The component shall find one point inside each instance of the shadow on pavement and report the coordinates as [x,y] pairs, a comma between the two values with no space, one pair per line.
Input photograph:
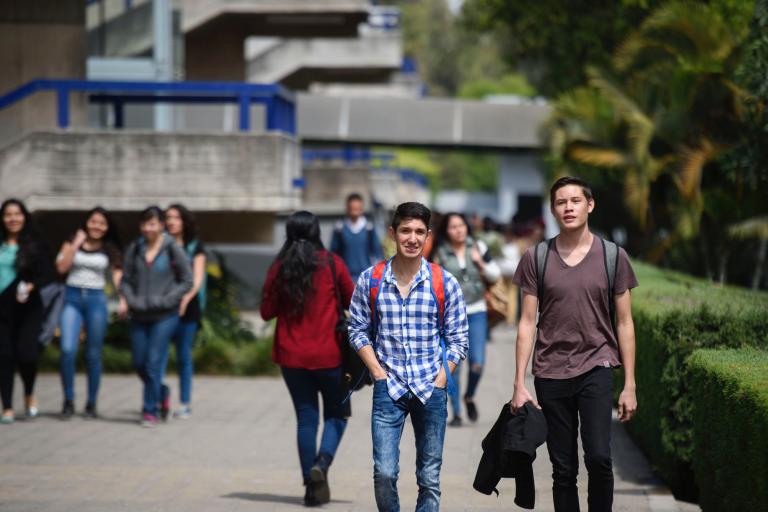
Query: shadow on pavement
[628,461]
[271,498]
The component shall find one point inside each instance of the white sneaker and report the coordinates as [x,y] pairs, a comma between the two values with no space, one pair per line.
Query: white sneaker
[183,412]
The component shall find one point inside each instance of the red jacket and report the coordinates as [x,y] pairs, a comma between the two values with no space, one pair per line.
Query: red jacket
[308,341]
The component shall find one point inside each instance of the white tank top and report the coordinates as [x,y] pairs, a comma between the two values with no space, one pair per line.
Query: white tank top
[89,270]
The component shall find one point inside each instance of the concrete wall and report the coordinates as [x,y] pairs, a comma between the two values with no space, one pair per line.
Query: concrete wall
[419,121]
[40,39]
[129,170]
[371,55]
[326,187]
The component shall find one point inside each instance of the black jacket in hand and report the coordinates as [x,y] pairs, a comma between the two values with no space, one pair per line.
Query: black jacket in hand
[509,450]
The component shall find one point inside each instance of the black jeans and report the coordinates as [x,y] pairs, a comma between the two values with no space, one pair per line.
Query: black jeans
[589,398]
[19,346]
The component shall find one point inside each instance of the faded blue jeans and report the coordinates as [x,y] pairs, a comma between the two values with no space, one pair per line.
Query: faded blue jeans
[387,428]
[89,307]
[478,335]
[183,338]
[149,347]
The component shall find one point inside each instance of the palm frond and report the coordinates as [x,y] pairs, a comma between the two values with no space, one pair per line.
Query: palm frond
[598,156]
[756,227]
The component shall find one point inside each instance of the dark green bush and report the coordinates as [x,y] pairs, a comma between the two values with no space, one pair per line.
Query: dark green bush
[729,390]
[674,315]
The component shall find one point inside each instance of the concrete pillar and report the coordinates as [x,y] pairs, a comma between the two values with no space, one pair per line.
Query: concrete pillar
[40,39]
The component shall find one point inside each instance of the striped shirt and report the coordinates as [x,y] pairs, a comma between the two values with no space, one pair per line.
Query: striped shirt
[407,343]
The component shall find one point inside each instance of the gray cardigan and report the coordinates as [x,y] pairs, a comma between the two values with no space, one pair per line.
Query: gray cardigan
[154,291]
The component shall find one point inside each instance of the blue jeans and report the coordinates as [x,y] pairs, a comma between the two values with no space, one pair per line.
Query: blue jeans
[149,347]
[478,333]
[89,307]
[183,338]
[304,385]
[387,428]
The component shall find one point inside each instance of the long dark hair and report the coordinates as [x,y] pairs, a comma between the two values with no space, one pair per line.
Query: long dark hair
[189,226]
[298,260]
[111,239]
[27,239]
[442,232]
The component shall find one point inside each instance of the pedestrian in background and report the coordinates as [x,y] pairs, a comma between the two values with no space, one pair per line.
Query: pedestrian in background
[300,292]
[25,267]
[470,261]
[181,225]
[88,259]
[156,276]
[355,239]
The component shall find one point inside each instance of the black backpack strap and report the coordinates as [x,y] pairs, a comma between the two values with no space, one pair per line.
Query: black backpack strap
[611,260]
[541,257]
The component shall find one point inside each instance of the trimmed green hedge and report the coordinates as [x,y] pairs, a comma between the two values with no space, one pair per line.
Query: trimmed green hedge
[730,435]
[674,315]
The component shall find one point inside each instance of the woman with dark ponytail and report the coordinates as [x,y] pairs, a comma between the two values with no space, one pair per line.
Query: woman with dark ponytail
[25,267]
[300,291]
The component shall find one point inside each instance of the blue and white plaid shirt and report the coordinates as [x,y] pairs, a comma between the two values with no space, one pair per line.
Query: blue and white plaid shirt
[407,343]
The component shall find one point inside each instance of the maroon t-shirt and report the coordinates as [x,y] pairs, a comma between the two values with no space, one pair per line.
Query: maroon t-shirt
[574,332]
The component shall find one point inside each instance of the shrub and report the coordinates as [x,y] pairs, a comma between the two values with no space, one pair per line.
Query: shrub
[674,315]
[729,390]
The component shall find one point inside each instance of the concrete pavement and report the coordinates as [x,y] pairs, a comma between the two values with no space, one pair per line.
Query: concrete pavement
[238,453]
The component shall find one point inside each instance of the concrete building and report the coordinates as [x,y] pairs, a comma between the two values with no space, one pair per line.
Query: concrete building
[359,94]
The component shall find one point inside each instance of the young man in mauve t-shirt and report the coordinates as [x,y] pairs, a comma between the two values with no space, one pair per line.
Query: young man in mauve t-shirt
[576,347]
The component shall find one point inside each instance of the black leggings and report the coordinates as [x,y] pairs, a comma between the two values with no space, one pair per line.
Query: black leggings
[19,346]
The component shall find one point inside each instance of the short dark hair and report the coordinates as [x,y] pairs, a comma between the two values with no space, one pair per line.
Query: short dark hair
[152,212]
[410,210]
[354,196]
[569,180]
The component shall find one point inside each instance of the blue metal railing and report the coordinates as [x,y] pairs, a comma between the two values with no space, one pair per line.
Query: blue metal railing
[384,17]
[347,154]
[279,102]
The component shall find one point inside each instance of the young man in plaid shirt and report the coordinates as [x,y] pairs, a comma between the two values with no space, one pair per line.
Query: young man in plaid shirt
[401,347]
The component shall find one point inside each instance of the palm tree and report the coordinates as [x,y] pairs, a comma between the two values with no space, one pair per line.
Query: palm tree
[668,108]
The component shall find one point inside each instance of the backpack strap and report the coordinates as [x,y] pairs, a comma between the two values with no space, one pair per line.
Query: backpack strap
[611,260]
[541,257]
[437,286]
[374,283]
[438,292]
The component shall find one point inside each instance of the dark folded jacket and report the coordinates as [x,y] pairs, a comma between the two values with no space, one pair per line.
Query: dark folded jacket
[509,450]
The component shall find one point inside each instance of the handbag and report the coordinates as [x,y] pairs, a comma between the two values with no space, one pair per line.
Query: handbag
[355,374]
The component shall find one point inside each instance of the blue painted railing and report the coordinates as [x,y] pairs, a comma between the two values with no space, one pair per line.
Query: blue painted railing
[279,102]
[347,154]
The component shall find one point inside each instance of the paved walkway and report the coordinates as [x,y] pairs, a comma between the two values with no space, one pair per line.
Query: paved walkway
[237,453]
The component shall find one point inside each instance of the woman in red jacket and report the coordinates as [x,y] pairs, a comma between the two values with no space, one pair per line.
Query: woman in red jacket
[300,292]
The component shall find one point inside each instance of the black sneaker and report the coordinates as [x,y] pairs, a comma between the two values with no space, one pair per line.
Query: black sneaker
[455,422]
[90,411]
[471,409]
[67,410]
[318,476]
[310,500]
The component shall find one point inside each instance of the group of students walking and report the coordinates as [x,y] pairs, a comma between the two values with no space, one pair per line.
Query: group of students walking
[412,322]
[160,281]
